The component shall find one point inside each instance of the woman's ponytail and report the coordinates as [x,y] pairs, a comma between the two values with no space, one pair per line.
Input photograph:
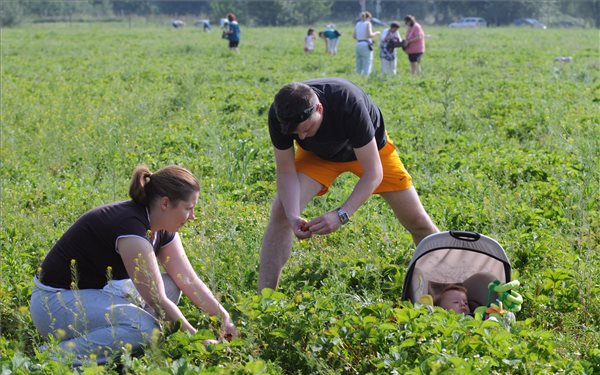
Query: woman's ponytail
[174,182]
[137,189]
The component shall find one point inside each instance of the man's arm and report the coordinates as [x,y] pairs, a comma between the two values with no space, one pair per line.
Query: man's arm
[368,157]
[288,190]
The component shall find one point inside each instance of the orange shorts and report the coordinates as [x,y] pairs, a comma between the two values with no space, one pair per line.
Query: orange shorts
[395,176]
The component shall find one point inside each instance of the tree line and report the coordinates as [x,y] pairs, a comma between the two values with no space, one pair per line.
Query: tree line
[305,12]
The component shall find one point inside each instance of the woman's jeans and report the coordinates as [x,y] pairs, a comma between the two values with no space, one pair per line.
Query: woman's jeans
[364,58]
[95,322]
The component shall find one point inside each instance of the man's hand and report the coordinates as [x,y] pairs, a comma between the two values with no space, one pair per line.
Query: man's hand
[325,224]
[300,228]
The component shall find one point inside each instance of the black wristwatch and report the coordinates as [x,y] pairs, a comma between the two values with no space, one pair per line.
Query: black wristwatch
[343,215]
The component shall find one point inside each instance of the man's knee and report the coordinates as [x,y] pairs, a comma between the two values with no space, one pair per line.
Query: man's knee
[277,207]
[278,216]
[421,227]
[421,221]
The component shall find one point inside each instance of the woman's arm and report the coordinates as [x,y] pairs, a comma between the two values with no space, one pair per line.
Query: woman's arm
[142,267]
[176,263]
[370,32]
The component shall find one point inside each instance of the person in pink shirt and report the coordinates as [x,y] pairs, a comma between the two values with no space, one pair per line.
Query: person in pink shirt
[415,43]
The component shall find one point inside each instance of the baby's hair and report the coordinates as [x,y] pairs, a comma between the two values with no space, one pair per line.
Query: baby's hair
[310,31]
[450,287]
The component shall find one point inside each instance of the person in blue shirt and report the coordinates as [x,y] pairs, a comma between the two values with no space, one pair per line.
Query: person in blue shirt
[233,33]
[332,38]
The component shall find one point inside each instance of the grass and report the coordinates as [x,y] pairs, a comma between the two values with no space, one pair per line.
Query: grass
[498,137]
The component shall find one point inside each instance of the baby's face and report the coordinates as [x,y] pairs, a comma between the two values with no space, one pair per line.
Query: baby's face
[455,300]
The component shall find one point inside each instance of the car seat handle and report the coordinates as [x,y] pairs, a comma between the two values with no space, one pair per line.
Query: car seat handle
[465,236]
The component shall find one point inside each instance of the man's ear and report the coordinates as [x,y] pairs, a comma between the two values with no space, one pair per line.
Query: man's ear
[320,107]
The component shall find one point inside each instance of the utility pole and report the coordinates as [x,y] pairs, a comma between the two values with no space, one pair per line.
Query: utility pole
[363,5]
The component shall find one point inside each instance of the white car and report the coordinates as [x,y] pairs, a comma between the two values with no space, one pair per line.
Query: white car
[469,22]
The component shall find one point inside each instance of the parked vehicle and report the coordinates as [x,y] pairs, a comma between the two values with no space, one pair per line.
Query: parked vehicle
[529,22]
[469,22]
[570,24]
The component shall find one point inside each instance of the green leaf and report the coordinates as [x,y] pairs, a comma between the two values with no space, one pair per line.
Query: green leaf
[407,343]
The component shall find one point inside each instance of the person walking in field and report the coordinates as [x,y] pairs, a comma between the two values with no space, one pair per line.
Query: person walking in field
[414,44]
[100,288]
[233,32]
[363,33]
[336,128]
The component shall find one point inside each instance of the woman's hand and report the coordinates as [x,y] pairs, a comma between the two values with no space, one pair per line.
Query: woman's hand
[229,330]
[186,326]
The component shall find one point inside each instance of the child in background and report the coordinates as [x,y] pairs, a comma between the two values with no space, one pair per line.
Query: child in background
[453,297]
[309,41]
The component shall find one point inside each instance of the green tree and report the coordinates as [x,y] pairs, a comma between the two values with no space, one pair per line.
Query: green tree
[275,12]
[130,7]
[239,7]
[10,13]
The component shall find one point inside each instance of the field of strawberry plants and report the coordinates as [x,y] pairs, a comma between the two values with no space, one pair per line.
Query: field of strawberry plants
[499,137]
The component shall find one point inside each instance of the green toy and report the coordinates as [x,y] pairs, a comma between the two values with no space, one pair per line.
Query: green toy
[503,309]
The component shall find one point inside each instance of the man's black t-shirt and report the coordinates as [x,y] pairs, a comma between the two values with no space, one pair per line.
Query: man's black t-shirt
[87,252]
[350,120]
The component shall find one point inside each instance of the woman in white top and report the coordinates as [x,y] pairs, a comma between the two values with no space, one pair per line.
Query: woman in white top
[363,33]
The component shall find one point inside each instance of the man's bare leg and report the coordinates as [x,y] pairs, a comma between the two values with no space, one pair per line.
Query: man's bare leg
[410,212]
[277,242]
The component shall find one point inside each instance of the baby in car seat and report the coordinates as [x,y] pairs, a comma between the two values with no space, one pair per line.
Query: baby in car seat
[453,297]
